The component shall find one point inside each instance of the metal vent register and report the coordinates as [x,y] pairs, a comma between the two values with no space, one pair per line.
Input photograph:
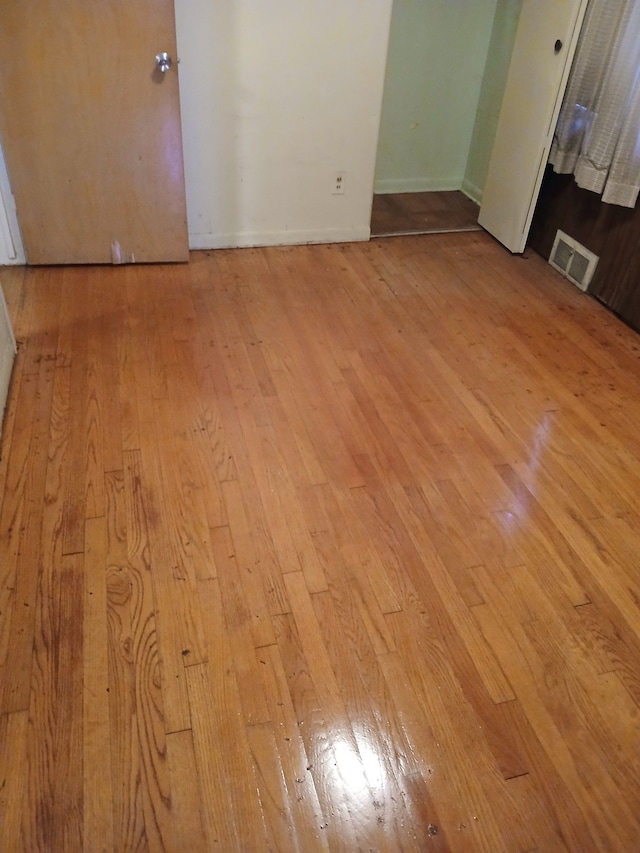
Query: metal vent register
[574,261]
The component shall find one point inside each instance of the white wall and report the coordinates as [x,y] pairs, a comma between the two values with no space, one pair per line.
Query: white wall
[437,56]
[505,25]
[276,97]
[11,251]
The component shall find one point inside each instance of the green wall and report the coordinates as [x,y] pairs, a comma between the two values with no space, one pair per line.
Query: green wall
[445,75]
[493,84]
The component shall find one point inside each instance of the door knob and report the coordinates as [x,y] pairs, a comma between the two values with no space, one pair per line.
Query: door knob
[557,46]
[163,61]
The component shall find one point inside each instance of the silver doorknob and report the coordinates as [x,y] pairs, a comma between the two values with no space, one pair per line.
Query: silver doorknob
[163,61]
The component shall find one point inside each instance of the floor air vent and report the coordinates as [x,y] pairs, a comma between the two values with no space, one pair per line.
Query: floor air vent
[573,260]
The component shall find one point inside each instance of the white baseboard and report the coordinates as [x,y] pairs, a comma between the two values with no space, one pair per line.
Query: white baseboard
[7,354]
[417,185]
[6,365]
[472,191]
[278,238]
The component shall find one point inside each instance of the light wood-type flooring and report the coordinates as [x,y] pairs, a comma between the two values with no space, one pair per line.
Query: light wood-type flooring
[320,548]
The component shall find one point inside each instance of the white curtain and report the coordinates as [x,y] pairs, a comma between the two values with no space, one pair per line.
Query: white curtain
[598,132]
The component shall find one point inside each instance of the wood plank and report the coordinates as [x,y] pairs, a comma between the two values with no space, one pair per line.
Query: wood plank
[367,698]
[440,742]
[24,540]
[233,816]
[154,549]
[96,730]
[306,814]
[360,572]
[320,734]
[14,771]
[187,804]
[141,790]
[81,472]
[274,793]
[55,780]
[242,624]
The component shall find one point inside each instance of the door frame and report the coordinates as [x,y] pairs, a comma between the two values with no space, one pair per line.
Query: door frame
[11,248]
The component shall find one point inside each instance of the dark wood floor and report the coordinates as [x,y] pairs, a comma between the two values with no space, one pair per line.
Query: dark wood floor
[423,213]
[320,548]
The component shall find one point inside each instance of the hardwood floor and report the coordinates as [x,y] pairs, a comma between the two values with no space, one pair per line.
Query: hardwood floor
[320,548]
[423,213]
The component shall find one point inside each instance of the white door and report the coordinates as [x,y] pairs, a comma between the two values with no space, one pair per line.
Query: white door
[542,54]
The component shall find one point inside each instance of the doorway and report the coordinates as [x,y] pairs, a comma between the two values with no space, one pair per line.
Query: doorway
[446,71]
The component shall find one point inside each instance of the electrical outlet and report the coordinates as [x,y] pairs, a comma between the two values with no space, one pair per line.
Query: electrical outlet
[339,180]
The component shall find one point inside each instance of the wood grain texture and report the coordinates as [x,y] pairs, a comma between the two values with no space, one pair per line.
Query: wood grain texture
[91,131]
[320,548]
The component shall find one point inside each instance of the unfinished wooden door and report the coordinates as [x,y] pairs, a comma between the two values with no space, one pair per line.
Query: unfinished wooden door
[543,51]
[90,127]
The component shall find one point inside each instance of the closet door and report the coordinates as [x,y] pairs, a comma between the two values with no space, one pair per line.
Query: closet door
[543,51]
